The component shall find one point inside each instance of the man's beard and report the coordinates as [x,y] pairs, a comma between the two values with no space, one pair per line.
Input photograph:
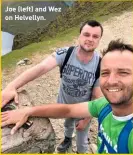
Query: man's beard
[124,100]
[127,98]
[87,50]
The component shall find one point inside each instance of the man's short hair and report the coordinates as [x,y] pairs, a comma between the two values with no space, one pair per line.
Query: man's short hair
[117,45]
[92,23]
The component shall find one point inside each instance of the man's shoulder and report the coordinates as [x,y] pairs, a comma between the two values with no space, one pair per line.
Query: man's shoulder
[97,54]
[97,105]
[61,50]
[60,54]
[101,101]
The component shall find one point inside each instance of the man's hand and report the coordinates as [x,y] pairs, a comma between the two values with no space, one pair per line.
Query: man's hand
[82,124]
[17,117]
[9,94]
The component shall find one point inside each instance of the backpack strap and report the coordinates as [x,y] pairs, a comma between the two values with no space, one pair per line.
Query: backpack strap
[124,134]
[97,73]
[105,143]
[69,52]
[123,137]
[104,112]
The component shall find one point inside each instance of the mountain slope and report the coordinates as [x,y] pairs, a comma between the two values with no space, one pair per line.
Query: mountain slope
[71,17]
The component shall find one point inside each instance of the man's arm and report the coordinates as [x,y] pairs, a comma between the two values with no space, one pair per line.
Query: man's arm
[10,91]
[20,116]
[61,110]
[34,72]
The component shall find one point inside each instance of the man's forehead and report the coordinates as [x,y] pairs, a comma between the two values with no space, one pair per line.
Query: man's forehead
[117,59]
[118,53]
[90,28]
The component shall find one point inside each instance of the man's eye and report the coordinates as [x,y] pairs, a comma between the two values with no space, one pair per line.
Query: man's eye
[86,35]
[123,73]
[104,73]
[95,37]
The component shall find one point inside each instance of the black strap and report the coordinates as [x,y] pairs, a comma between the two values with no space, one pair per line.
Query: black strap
[97,73]
[66,59]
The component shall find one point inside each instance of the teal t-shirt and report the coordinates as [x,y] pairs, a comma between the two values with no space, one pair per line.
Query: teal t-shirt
[111,126]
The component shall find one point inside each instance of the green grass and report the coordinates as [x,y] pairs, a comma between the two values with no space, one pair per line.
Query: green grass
[45,46]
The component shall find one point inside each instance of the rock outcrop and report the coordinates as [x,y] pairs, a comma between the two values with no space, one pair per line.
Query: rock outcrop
[39,137]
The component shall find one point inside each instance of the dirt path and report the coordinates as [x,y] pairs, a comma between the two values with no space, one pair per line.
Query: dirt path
[45,89]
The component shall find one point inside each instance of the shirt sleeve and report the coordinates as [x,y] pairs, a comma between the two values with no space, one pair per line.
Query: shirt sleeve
[60,55]
[96,106]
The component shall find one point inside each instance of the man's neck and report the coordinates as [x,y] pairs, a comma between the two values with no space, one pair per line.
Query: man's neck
[84,56]
[122,110]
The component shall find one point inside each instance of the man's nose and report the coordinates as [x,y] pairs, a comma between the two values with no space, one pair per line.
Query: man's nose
[113,79]
[90,38]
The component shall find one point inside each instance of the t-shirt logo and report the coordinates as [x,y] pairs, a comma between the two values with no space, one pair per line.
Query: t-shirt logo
[76,81]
